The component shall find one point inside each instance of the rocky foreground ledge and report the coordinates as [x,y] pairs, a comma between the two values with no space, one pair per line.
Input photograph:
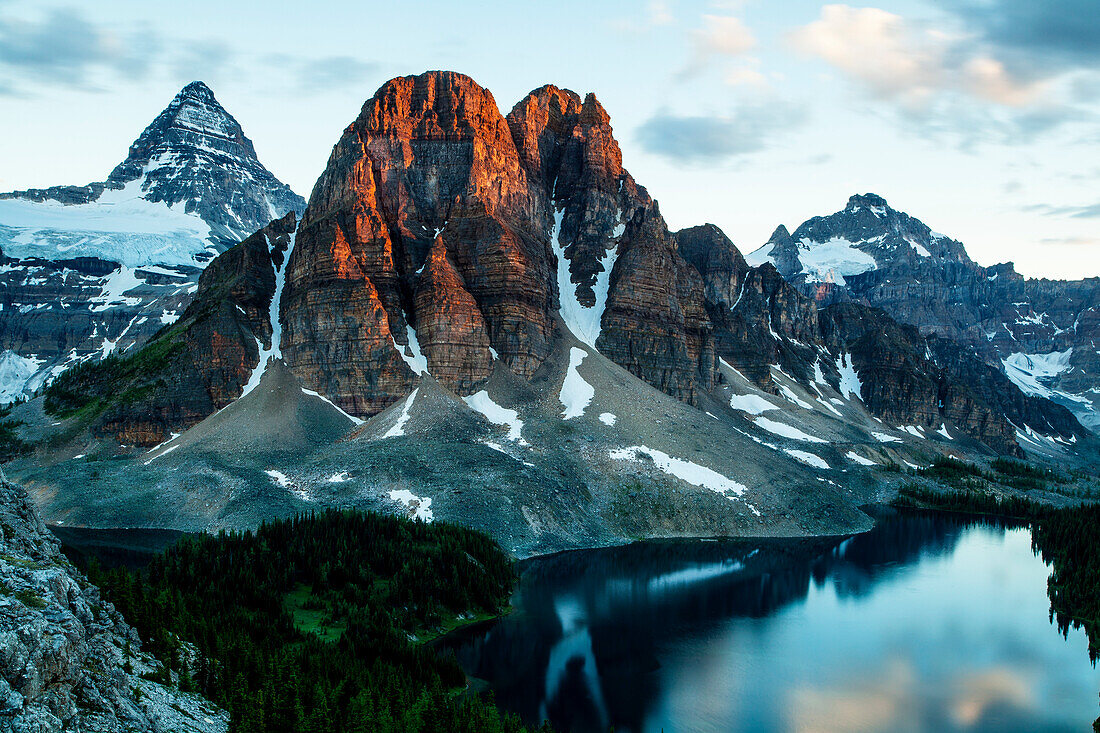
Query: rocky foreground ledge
[64,650]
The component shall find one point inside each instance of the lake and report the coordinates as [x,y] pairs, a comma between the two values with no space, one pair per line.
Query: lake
[930,622]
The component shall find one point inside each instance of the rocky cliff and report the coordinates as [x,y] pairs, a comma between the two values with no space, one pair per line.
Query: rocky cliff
[89,271]
[68,661]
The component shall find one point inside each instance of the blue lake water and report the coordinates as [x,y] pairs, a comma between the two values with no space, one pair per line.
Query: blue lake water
[928,623]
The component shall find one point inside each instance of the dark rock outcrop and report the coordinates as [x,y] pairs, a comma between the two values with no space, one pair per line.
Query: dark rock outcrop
[194,367]
[927,280]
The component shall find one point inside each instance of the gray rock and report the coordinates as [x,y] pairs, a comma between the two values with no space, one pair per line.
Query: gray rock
[63,648]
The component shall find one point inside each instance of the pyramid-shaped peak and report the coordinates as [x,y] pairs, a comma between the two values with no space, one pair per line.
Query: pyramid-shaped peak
[197,90]
[780,234]
[866,200]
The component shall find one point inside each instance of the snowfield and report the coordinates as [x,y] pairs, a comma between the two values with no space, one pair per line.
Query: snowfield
[120,226]
[750,403]
[421,506]
[786,431]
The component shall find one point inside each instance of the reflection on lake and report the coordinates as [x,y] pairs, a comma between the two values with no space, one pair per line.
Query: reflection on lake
[927,623]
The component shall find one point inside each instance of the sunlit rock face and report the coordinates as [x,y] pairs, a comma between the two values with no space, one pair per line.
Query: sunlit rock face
[436,213]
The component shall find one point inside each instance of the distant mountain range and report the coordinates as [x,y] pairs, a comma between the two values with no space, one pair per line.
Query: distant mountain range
[485,318]
[90,270]
[1044,334]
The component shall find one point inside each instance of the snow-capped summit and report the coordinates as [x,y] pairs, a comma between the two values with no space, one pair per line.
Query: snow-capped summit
[195,154]
[190,187]
[90,271]
[865,235]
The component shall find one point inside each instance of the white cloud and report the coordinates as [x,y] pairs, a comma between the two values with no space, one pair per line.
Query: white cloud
[723,34]
[905,61]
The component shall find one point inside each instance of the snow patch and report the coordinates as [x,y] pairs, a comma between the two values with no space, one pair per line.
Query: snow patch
[607,418]
[494,413]
[943,431]
[421,506]
[849,379]
[583,321]
[318,395]
[751,403]
[398,428]
[1025,371]
[885,438]
[15,372]
[692,473]
[274,351]
[339,478]
[833,260]
[785,431]
[857,458]
[576,394]
[810,459]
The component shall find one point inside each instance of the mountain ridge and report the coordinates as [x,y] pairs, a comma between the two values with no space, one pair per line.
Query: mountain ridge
[89,271]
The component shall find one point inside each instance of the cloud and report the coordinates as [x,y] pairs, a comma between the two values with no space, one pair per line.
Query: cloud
[894,58]
[720,37]
[64,47]
[940,84]
[714,139]
[724,34]
[1056,34]
[1071,241]
[1088,211]
[201,59]
[333,72]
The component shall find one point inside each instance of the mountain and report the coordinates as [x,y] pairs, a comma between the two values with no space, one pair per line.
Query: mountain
[87,271]
[70,661]
[484,318]
[1043,334]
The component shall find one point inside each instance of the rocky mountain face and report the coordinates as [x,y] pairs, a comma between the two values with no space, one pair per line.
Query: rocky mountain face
[88,271]
[195,367]
[1043,334]
[446,239]
[68,661]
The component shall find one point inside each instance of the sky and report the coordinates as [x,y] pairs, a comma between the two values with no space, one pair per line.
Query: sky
[979,117]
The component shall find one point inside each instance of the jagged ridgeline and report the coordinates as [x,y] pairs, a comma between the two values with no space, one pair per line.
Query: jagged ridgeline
[482,317]
[443,236]
[1043,334]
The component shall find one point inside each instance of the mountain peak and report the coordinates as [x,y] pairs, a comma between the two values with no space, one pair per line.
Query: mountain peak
[196,154]
[868,200]
[197,90]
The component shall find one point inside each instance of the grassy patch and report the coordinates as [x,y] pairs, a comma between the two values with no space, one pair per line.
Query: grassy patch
[311,615]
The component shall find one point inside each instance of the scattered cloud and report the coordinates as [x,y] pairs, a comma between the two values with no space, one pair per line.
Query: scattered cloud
[897,59]
[659,13]
[719,38]
[332,72]
[715,139]
[64,47]
[953,84]
[201,59]
[1072,241]
[1088,211]
[1053,34]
